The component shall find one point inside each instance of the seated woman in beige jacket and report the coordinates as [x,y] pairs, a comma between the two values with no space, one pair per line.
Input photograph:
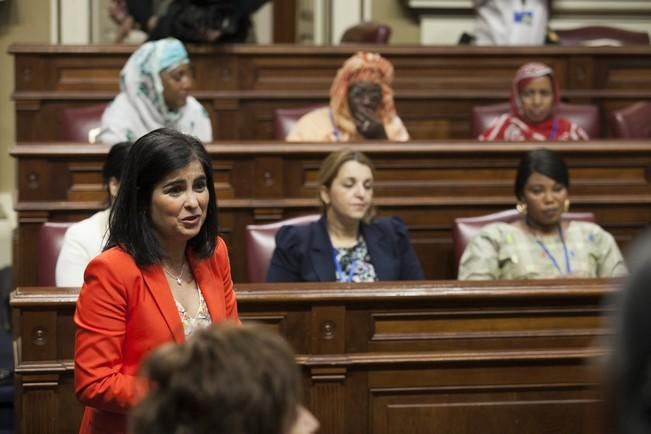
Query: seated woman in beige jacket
[361,106]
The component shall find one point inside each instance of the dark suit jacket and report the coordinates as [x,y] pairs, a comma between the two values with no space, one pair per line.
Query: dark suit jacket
[304,253]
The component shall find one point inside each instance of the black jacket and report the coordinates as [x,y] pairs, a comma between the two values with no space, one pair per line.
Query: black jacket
[304,253]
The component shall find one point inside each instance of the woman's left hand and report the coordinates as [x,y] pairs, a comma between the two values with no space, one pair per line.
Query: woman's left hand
[368,124]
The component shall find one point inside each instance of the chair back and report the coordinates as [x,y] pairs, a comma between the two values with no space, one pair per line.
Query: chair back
[50,240]
[261,242]
[367,33]
[632,122]
[77,123]
[601,35]
[585,116]
[284,119]
[465,228]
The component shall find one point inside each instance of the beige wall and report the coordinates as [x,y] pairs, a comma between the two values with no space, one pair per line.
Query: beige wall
[20,21]
[405,28]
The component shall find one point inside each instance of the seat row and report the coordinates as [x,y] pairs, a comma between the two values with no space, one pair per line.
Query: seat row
[260,240]
[631,122]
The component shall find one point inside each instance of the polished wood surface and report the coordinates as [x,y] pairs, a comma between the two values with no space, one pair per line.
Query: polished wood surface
[241,85]
[426,184]
[390,357]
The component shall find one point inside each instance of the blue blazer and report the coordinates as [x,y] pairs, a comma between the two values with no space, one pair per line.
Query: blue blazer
[304,253]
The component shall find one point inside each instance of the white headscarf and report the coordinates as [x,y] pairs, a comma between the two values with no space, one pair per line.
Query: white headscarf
[140,107]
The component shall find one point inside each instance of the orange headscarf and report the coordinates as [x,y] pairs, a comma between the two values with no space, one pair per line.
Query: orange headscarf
[363,66]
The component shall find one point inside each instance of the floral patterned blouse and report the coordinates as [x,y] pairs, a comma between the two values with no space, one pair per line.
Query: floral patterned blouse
[353,264]
[199,320]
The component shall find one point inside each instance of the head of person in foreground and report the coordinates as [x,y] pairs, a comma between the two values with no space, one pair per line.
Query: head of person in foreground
[226,379]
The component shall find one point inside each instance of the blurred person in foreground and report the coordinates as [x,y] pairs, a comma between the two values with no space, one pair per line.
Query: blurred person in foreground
[630,358]
[224,380]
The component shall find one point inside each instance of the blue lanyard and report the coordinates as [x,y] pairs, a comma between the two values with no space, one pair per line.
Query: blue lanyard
[338,269]
[335,130]
[568,267]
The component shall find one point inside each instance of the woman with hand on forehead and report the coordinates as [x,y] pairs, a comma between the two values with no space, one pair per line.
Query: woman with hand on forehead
[361,106]
[534,101]
[347,244]
[541,244]
[155,86]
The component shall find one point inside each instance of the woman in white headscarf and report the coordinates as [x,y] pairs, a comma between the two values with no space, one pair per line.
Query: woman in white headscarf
[154,93]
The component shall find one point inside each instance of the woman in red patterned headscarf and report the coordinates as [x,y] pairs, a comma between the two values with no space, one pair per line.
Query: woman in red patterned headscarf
[361,105]
[534,101]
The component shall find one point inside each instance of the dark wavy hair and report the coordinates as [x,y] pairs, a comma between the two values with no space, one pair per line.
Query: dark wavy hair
[225,379]
[151,158]
[543,161]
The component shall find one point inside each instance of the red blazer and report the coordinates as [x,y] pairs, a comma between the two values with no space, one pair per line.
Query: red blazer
[124,312]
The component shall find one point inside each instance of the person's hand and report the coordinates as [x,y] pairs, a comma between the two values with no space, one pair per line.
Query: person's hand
[368,124]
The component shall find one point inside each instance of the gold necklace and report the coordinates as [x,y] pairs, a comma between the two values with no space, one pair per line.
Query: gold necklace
[178,278]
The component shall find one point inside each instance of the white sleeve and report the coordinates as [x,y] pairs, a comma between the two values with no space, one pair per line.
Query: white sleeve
[72,260]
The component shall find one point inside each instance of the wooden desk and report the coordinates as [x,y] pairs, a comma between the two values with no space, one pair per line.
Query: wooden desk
[430,357]
[426,184]
[240,85]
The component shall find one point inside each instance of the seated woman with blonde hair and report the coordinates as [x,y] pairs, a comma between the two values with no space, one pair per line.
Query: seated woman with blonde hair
[361,106]
[541,244]
[347,244]
[535,98]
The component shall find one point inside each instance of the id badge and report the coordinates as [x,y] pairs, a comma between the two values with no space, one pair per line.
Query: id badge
[523,17]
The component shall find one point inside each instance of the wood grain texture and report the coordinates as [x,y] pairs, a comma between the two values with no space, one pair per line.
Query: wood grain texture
[455,356]
[241,85]
[427,184]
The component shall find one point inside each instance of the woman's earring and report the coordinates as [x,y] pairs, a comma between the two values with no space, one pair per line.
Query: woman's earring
[521,207]
[566,205]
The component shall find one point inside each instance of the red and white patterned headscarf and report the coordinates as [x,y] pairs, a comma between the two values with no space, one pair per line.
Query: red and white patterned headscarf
[523,76]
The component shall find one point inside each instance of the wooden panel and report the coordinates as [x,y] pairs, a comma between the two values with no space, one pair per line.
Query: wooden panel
[427,184]
[241,85]
[491,408]
[382,358]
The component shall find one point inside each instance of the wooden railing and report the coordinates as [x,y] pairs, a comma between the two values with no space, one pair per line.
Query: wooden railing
[241,85]
[390,357]
[426,184]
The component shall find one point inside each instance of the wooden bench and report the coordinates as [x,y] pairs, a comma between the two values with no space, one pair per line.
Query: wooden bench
[400,358]
[426,184]
[241,85]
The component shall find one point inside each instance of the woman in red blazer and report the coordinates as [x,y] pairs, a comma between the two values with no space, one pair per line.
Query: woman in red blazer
[163,274]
